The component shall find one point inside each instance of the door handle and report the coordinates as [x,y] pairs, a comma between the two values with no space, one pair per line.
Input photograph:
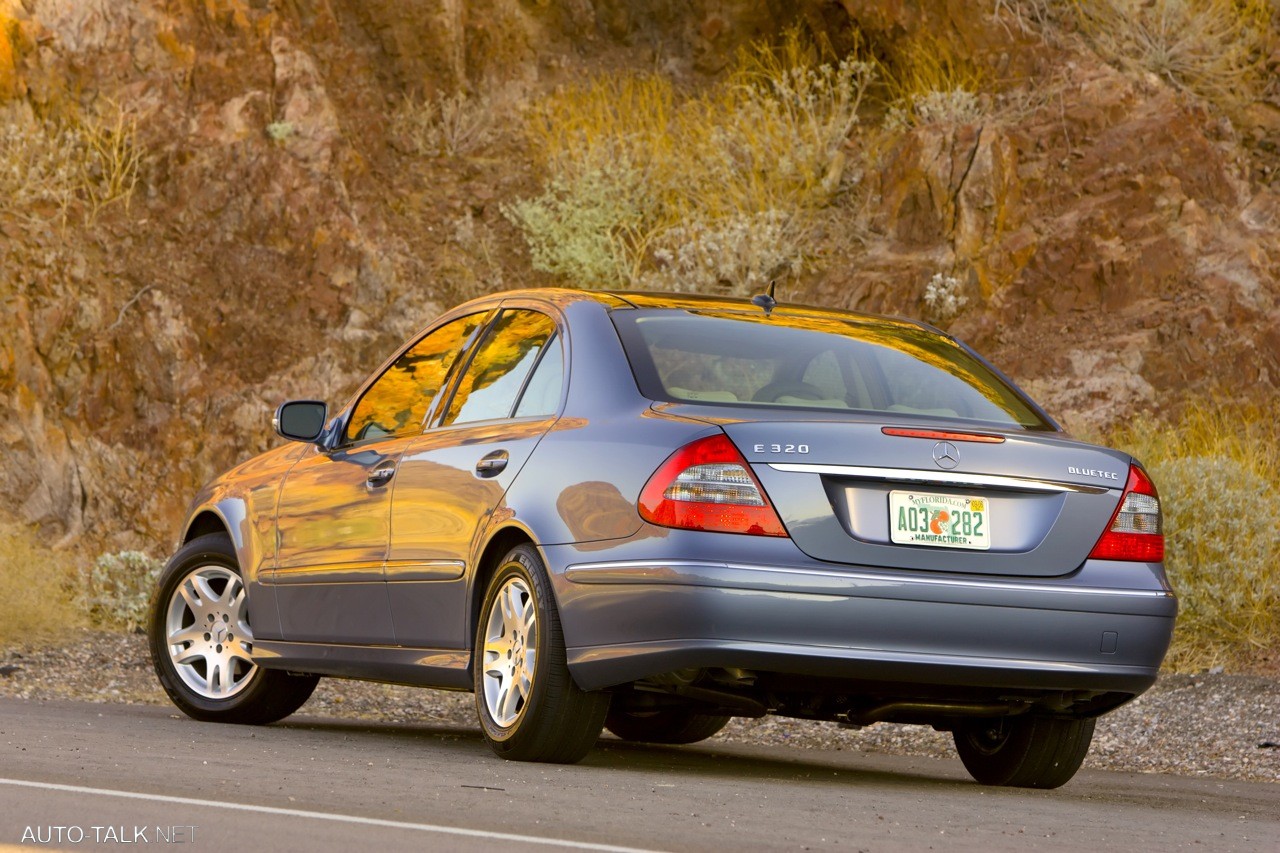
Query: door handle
[492,463]
[380,476]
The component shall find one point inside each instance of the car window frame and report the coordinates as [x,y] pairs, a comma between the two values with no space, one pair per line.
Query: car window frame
[340,440]
[559,333]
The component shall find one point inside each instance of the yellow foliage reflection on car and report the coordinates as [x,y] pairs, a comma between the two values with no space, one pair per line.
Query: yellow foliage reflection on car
[495,376]
[398,402]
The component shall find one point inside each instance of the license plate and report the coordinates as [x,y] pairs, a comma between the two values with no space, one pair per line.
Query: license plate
[940,521]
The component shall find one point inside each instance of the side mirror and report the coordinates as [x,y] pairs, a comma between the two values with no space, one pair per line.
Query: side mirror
[300,420]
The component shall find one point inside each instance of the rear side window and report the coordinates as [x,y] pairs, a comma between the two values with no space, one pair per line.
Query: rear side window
[496,375]
[814,362]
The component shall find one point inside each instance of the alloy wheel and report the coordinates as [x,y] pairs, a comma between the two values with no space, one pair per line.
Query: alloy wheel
[207,633]
[510,652]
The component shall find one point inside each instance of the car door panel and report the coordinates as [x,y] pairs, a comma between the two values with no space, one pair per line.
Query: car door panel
[334,517]
[439,505]
[453,477]
[333,528]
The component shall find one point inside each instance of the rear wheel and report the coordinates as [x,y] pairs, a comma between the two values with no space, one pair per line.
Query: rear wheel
[528,705]
[668,725]
[202,644]
[1024,752]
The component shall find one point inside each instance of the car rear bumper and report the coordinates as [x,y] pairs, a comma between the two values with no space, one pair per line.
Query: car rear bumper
[627,620]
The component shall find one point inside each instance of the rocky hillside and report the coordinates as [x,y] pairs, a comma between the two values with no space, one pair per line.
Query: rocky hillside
[207,206]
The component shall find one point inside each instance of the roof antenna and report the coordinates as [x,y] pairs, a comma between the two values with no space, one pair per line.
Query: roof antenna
[766,301]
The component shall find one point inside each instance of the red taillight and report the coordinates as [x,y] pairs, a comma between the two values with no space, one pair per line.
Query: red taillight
[707,485]
[1135,531]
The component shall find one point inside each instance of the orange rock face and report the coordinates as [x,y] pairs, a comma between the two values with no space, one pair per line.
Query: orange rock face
[1111,243]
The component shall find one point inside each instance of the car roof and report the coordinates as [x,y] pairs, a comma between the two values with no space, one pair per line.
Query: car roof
[622,299]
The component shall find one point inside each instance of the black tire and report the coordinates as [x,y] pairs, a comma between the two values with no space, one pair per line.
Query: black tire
[551,720]
[668,725]
[255,695]
[1024,752]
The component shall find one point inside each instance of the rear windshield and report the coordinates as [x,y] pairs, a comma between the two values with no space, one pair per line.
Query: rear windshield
[814,362]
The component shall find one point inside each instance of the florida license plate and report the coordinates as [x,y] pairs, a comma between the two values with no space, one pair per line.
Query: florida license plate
[940,521]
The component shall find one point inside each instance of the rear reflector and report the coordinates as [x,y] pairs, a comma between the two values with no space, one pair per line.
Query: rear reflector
[943,435]
[1135,532]
[707,485]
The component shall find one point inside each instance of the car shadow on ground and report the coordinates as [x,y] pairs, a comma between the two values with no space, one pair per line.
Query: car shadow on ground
[704,760]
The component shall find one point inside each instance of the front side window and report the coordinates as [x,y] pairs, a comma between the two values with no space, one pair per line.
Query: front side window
[398,402]
[496,375]
[815,362]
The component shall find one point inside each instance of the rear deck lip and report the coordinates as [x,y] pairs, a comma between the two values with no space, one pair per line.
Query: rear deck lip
[936,478]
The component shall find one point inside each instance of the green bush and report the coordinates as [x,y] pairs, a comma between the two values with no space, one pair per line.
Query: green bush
[116,590]
[651,186]
[581,226]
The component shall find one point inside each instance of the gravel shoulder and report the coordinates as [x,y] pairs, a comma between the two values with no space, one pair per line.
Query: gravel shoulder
[1210,724]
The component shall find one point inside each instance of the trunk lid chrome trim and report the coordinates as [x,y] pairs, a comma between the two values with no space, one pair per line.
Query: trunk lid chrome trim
[935,478]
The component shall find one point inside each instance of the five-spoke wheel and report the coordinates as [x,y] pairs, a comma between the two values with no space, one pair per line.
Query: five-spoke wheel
[510,652]
[528,705]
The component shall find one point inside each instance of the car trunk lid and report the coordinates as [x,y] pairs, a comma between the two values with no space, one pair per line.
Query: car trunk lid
[848,489]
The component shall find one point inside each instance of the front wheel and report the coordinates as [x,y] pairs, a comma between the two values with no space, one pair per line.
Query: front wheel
[202,644]
[528,705]
[1023,752]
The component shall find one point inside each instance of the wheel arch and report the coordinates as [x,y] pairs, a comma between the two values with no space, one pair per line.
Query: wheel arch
[228,514]
[486,564]
[204,523]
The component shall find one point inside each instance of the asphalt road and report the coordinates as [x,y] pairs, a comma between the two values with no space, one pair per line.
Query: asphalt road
[90,775]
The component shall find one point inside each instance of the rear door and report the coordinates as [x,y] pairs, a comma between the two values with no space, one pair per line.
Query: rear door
[453,478]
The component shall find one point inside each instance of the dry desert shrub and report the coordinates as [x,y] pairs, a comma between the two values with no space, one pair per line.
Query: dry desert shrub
[85,160]
[927,82]
[445,126]
[648,184]
[1217,468]
[1217,49]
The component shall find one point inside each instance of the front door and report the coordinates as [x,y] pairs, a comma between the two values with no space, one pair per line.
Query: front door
[334,518]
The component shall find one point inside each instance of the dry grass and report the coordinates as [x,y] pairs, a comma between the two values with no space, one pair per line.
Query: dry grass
[79,161]
[927,82]
[1218,471]
[635,164]
[446,126]
[37,596]
[1217,49]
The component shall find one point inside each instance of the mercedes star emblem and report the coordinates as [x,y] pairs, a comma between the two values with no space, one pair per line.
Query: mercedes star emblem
[946,455]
